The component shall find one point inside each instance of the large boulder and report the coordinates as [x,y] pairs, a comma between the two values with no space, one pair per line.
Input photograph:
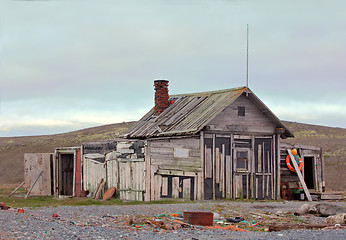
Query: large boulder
[327,210]
[303,209]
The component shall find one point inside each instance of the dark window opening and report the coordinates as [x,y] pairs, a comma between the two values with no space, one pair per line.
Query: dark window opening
[309,172]
[241,111]
[242,157]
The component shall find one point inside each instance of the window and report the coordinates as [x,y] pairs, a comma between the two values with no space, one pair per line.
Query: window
[242,160]
[241,111]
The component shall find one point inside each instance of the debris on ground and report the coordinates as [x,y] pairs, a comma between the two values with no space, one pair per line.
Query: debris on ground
[3,206]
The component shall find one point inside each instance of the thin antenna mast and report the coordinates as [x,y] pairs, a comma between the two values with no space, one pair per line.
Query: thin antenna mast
[247,57]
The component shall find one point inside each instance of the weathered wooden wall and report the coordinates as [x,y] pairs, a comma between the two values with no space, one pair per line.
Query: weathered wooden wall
[94,168]
[34,163]
[174,168]
[131,170]
[123,168]
[254,121]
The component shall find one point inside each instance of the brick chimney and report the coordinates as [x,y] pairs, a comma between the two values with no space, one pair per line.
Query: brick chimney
[161,96]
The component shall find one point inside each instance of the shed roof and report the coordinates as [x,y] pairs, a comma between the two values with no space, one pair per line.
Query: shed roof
[191,112]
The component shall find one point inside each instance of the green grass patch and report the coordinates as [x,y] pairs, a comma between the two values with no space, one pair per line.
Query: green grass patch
[44,201]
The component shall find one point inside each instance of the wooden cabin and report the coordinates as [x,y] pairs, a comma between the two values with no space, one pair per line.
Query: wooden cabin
[208,145]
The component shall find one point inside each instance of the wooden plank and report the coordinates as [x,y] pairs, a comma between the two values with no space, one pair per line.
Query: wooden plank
[158,182]
[15,190]
[175,187]
[222,172]
[208,163]
[199,183]
[301,179]
[231,161]
[274,167]
[186,188]
[99,190]
[252,167]
[32,186]
[147,172]
[278,168]
[217,165]
[213,167]
[228,177]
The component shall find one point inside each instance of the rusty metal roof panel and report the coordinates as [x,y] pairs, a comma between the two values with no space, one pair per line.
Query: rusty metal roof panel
[187,115]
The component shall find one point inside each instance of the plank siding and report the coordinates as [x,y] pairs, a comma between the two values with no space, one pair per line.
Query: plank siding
[177,158]
[254,121]
[162,154]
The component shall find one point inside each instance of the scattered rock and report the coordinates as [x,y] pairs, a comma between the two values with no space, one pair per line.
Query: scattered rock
[304,209]
[313,210]
[336,219]
[327,210]
[216,216]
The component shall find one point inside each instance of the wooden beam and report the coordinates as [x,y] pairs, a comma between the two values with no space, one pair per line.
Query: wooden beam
[32,186]
[213,167]
[15,190]
[301,179]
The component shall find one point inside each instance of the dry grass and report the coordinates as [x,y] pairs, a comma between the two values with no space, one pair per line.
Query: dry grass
[12,149]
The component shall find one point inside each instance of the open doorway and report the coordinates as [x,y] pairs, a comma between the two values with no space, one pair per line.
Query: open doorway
[309,172]
[66,165]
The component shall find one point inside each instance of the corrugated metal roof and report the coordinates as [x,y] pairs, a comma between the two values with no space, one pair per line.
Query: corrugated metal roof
[188,114]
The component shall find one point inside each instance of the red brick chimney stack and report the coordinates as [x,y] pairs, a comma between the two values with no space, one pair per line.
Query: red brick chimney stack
[161,96]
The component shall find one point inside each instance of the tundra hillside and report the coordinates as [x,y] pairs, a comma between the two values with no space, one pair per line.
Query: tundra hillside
[12,149]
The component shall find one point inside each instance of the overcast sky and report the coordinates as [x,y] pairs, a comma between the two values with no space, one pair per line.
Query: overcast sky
[71,64]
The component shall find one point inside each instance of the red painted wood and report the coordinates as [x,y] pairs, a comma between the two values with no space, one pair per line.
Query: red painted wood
[78,183]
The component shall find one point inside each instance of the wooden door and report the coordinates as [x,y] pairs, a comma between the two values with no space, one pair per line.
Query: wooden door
[242,172]
[264,165]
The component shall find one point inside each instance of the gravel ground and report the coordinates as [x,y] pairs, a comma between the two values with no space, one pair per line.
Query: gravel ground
[108,222]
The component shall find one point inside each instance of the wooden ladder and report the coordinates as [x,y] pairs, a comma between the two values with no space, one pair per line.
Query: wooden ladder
[301,179]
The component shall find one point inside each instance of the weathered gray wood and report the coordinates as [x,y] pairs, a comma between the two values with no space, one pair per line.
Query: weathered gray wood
[306,190]
[15,190]
[213,167]
[186,188]
[208,163]
[278,168]
[97,188]
[217,165]
[175,187]
[199,189]
[32,186]
[33,164]
[148,171]
[254,121]
[228,177]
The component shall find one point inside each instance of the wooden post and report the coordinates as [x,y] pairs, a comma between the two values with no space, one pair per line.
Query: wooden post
[32,186]
[306,190]
[97,188]
[15,190]
[213,167]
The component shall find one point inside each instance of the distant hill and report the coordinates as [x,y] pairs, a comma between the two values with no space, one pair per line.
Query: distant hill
[12,149]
